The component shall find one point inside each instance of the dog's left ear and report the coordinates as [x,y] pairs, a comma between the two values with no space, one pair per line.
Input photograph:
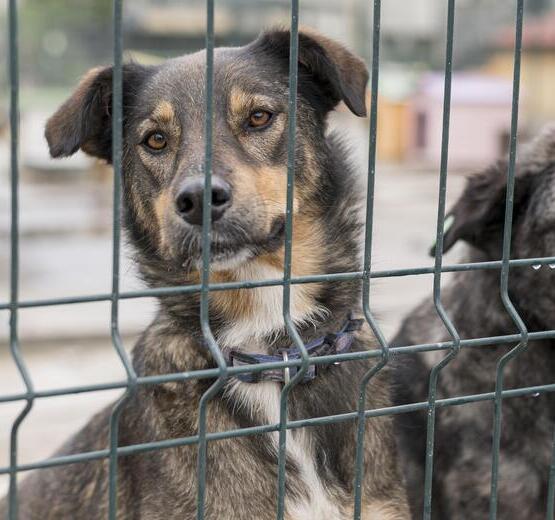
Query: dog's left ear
[336,71]
[84,120]
[479,214]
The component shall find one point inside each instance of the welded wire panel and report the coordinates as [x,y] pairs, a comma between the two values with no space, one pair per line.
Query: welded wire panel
[221,371]
[504,279]
[436,370]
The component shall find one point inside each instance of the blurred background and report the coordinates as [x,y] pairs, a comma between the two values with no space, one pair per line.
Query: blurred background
[66,205]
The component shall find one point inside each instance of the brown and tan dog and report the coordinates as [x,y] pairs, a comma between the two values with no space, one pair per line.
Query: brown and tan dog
[163,159]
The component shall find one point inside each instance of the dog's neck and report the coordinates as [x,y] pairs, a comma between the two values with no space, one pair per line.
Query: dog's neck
[252,320]
[181,347]
[256,315]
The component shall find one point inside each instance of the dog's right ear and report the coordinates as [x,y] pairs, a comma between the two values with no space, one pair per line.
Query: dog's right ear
[84,121]
[478,216]
[336,73]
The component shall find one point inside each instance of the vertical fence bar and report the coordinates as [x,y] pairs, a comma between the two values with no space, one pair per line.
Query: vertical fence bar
[434,375]
[290,326]
[14,253]
[361,419]
[205,278]
[117,118]
[504,280]
[551,486]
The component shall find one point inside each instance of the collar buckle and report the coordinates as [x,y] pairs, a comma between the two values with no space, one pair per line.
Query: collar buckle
[286,370]
[331,344]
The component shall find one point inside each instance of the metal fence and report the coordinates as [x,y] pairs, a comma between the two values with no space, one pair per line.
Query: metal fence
[222,371]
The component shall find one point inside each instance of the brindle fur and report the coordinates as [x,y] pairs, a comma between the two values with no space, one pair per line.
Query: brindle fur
[241,472]
[462,459]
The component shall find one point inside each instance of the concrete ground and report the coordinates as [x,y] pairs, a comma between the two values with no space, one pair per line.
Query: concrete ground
[66,250]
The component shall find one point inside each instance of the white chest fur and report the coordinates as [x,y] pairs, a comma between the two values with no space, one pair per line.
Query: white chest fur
[262,401]
[267,309]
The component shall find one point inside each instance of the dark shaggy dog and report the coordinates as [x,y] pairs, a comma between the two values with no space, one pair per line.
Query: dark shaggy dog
[163,161]
[464,433]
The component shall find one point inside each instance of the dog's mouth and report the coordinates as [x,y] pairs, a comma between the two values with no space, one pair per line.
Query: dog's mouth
[228,251]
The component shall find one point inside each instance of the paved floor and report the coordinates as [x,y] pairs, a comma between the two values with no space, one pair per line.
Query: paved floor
[65,250]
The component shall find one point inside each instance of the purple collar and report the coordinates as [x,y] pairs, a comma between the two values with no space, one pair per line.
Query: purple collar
[330,344]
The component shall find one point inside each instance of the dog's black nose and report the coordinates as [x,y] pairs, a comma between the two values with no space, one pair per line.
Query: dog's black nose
[189,200]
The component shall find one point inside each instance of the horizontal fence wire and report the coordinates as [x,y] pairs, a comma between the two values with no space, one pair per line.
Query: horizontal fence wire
[301,423]
[221,372]
[261,367]
[253,284]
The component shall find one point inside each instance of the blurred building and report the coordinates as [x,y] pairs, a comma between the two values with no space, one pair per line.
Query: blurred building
[412,30]
[537,67]
[479,124]
[415,30]
[175,27]
[397,85]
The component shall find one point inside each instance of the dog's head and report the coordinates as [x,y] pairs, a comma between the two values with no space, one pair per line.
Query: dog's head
[479,214]
[164,144]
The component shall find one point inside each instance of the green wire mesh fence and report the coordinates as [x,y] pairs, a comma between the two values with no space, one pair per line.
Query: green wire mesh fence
[222,371]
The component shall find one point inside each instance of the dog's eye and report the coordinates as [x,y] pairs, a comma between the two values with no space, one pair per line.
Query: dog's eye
[156,141]
[259,119]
